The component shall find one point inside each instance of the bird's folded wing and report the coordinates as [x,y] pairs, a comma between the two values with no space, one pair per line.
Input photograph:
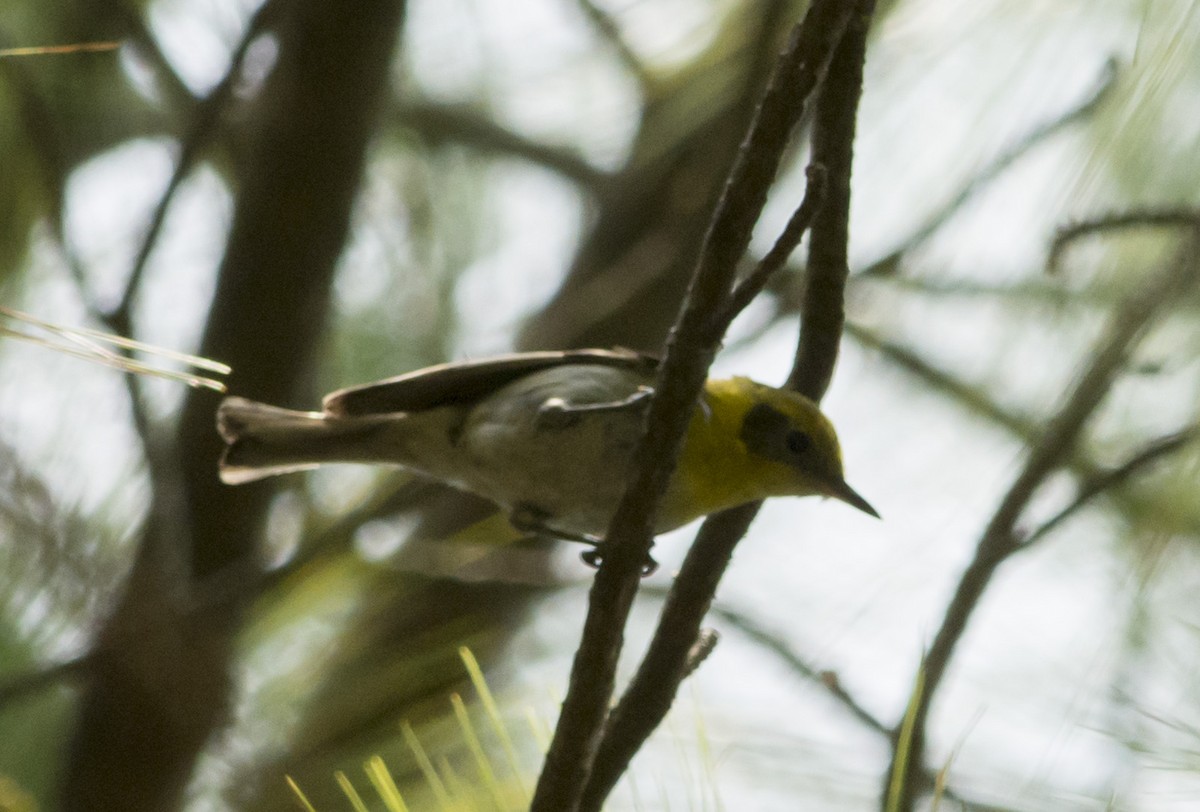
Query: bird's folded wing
[463,382]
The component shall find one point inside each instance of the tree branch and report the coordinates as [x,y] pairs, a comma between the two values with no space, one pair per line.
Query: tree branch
[1116,221]
[1105,481]
[465,125]
[205,117]
[999,539]
[781,649]
[610,31]
[942,380]
[690,351]
[997,166]
[777,257]
[652,690]
[159,679]
[1023,427]
[823,312]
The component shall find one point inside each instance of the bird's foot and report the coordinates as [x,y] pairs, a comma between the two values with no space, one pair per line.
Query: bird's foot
[594,556]
[535,521]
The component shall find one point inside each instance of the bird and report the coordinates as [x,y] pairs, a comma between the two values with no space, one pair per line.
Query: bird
[548,437]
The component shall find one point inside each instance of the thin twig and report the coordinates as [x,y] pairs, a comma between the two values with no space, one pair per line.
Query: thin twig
[1052,450]
[1033,291]
[777,257]
[690,351]
[1105,481]
[652,690]
[829,681]
[465,125]
[942,380]
[1116,221]
[781,649]
[610,31]
[206,116]
[980,180]
[1023,427]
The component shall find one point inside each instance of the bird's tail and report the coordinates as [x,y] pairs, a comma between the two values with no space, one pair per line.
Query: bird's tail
[264,440]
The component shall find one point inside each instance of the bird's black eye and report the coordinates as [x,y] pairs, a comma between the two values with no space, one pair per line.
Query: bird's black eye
[798,442]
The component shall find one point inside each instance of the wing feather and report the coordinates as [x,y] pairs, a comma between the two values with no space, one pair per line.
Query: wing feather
[464,382]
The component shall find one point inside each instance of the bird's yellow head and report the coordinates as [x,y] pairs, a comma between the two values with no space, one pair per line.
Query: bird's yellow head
[749,441]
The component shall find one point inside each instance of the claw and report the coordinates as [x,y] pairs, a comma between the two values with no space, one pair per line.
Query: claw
[535,521]
[594,556]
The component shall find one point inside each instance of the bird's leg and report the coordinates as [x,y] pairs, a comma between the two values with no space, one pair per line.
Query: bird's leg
[557,413]
[533,520]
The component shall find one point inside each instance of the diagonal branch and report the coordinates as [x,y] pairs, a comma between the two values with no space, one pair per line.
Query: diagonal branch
[1024,428]
[690,351]
[652,690]
[610,31]
[205,117]
[156,665]
[780,648]
[793,232]
[997,166]
[1105,481]
[829,680]
[945,382]
[1050,452]
[1118,221]
[463,124]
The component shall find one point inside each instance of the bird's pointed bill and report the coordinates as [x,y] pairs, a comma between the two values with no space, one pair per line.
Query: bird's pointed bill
[838,489]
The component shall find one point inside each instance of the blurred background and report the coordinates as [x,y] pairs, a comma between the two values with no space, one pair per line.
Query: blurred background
[322,195]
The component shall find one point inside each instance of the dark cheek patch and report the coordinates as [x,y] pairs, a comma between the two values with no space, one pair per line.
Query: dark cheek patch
[764,431]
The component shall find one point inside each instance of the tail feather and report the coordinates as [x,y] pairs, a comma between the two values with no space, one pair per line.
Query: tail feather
[267,440]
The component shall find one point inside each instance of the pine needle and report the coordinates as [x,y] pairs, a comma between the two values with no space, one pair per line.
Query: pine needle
[89,345]
[493,713]
[427,769]
[381,779]
[75,48]
[308,807]
[350,792]
[482,764]
[904,743]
